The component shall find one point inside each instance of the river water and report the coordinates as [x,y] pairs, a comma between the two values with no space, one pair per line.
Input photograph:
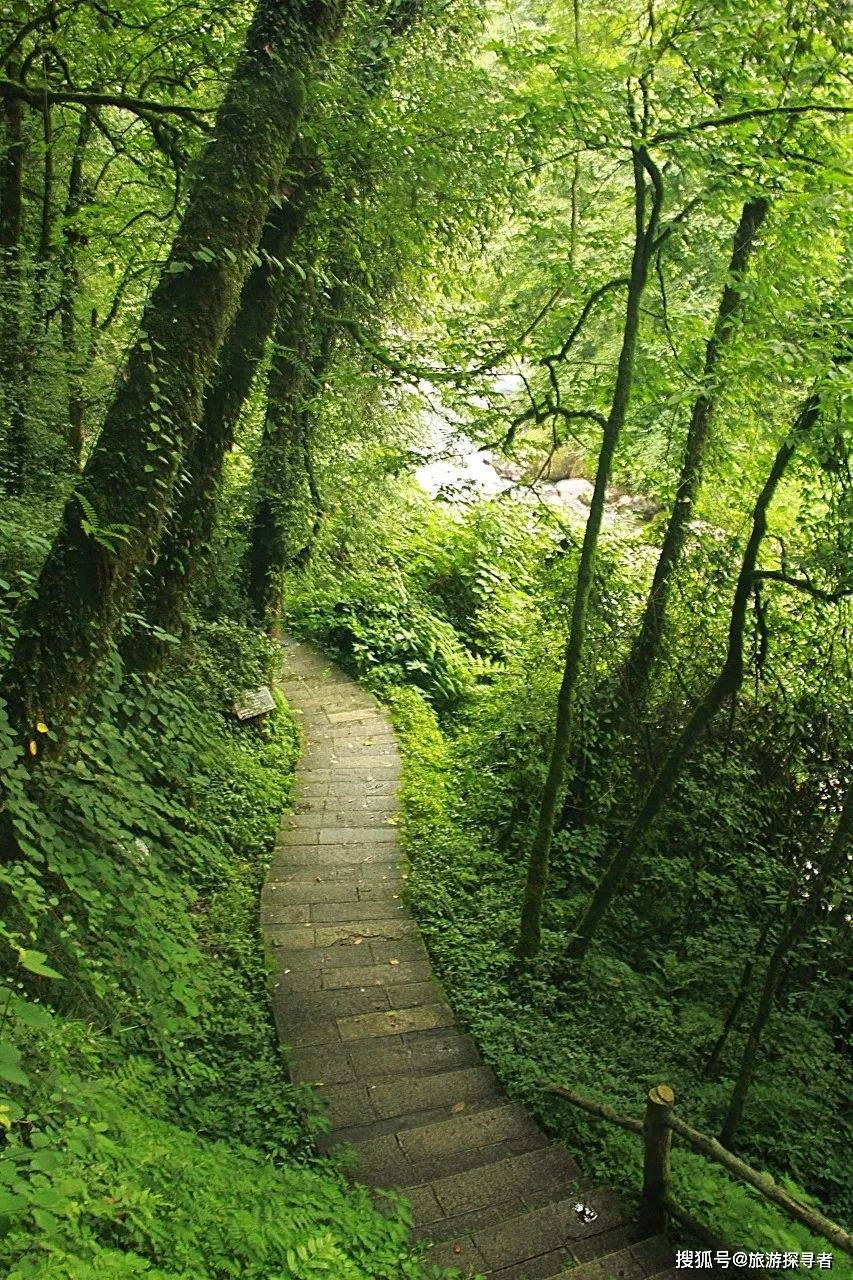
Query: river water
[459,472]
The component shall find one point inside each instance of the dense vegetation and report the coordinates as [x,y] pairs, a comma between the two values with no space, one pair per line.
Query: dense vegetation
[250,255]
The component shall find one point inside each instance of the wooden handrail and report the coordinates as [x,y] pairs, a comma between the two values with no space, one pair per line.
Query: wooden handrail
[762,1182]
[599,1109]
[660,1121]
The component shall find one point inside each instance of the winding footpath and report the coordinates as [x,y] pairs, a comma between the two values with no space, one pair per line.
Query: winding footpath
[366,1022]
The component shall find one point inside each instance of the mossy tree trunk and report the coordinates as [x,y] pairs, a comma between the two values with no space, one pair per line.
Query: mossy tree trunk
[622,851]
[644,241]
[112,521]
[186,537]
[288,507]
[282,496]
[11,215]
[69,290]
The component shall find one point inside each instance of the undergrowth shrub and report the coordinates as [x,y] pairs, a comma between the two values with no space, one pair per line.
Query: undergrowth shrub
[148,1124]
[465,887]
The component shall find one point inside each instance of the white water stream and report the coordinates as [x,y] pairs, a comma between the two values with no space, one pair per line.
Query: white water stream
[459,472]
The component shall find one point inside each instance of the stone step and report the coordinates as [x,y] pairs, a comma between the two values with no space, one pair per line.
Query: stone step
[330,910]
[330,887]
[439,1130]
[355,912]
[534,1243]
[650,1257]
[513,1178]
[291,865]
[341,933]
[364,816]
[450,1089]
[373,952]
[394,1059]
[300,835]
[314,856]
[328,784]
[410,1157]
[344,1002]
[354,1119]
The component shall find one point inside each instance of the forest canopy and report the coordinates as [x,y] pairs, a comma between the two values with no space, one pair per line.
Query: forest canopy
[502,351]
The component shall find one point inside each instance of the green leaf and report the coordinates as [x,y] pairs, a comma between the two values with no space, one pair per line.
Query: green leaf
[13,1074]
[34,962]
[32,1015]
[48,1198]
[11,1203]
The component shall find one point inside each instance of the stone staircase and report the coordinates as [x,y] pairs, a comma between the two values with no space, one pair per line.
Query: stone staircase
[367,1023]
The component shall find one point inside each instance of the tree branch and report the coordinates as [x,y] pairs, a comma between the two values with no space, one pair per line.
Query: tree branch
[752,113]
[804,585]
[617,282]
[39,94]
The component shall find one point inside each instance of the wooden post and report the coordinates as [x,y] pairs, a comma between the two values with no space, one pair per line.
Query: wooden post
[658,1137]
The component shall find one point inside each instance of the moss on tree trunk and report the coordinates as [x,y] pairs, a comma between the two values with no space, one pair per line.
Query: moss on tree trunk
[282,497]
[112,521]
[189,528]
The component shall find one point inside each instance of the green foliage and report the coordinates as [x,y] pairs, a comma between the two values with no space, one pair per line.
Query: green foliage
[614,1032]
[421,598]
[476,193]
[115,1192]
[150,1128]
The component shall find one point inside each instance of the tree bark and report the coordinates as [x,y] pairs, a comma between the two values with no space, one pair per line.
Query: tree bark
[69,289]
[725,686]
[793,932]
[11,217]
[631,692]
[186,538]
[113,519]
[285,482]
[537,871]
[281,492]
[646,647]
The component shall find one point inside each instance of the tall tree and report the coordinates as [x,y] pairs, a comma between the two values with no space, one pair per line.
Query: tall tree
[623,849]
[284,470]
[70,288]
[634,678]
[280,480]
[646,646]
[11,212]
[190,524]
[648,189]
[114,517]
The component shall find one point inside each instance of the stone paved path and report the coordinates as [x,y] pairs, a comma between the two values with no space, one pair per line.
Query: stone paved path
[366,1021]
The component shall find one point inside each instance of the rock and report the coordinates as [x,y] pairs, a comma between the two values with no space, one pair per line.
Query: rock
[637,504]
[644,508]
[562,464]
[575,490]
[508,470]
